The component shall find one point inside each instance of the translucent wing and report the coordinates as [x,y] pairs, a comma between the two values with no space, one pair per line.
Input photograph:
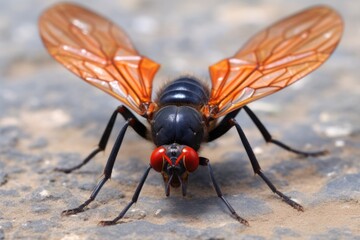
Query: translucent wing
[99,52]
[273,59]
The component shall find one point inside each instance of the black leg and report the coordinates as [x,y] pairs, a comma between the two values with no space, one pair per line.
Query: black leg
[133,200]
[223,126]
[206,162]
[268,137]
[136,124]
[107,172]
[257,169]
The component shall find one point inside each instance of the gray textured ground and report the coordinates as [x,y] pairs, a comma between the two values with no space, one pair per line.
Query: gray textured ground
[46,123]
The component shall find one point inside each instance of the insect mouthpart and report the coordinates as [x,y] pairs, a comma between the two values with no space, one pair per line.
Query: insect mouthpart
[174,162]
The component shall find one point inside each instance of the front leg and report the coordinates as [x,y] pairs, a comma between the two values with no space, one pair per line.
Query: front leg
[133,200]
[206,162]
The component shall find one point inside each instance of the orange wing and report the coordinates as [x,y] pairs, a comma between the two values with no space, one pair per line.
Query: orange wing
[273,59]
[99,52]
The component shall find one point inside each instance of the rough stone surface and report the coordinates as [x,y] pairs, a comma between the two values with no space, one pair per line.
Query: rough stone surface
[49,118]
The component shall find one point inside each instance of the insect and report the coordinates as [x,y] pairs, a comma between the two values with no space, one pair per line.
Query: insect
[186,113]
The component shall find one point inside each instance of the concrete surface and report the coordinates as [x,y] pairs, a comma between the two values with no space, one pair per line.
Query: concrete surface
[49,118]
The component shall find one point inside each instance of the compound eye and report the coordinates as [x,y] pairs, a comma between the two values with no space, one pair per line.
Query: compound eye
[191,159]
[157,159]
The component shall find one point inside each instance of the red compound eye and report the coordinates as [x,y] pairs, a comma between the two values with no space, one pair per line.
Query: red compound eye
[157,158]
[191,159]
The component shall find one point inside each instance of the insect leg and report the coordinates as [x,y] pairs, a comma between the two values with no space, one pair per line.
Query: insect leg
[269,138]
[107,171]
[206,162]
[137,126]
[133,200]
[223,126]
[257,169]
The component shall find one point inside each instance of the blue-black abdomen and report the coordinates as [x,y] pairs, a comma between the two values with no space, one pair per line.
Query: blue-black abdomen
[184,90]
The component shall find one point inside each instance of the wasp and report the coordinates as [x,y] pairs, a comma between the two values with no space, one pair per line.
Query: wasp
[186,113]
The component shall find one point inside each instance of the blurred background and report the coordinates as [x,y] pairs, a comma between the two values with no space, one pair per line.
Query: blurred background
[50,118]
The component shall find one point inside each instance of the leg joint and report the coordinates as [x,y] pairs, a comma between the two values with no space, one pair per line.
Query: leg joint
[232,121]
[121,109]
